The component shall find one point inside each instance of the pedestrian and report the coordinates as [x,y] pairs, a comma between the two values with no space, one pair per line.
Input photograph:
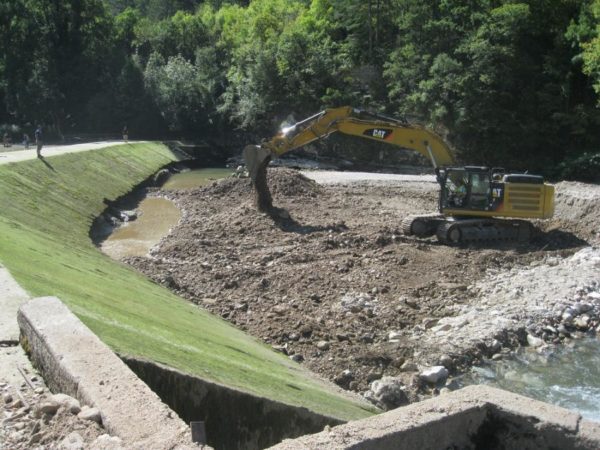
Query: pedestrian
[125,133]
[26,140]
[6,140]
[39,140]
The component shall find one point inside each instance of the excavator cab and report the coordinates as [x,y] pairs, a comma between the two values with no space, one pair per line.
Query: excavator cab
[468,188]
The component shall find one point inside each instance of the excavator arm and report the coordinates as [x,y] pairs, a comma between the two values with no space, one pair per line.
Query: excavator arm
[346,120]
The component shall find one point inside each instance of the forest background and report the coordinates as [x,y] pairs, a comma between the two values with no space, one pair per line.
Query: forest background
[510,83]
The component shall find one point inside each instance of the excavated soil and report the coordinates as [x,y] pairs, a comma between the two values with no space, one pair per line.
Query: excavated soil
[335,285]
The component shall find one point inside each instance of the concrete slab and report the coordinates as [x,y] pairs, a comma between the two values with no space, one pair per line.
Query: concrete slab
[473,417]
[73,360]
[11,297]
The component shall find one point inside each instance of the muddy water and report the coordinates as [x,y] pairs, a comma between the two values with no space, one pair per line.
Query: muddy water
[156,216]
[195,178]
[567,376]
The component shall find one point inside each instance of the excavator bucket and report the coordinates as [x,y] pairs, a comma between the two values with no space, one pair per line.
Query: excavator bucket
[257,159]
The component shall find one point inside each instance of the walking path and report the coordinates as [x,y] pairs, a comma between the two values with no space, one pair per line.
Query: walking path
[53,150]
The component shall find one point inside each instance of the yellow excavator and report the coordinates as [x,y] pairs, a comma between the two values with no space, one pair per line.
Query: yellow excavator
[475,203]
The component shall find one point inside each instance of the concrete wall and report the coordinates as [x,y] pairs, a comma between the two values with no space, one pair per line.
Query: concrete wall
[233,419]
[476,417]
[74,361]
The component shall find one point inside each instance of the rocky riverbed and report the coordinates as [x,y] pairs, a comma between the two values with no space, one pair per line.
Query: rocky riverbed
[338,288]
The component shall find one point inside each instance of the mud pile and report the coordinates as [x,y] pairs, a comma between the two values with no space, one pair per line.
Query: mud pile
[335,286]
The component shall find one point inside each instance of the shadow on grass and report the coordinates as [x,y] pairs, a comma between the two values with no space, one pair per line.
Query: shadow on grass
[46,163]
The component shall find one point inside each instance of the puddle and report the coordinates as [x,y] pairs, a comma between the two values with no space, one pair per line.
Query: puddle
[156,217]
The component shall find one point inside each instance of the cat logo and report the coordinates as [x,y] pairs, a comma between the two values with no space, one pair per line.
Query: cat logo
[378,133]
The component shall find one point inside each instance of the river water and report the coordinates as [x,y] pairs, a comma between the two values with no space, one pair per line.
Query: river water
[156,216]
[567,376]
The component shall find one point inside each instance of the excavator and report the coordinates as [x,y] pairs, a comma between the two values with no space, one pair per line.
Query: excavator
[475,203]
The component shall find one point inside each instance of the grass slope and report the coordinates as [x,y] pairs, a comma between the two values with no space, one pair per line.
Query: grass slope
[45,215]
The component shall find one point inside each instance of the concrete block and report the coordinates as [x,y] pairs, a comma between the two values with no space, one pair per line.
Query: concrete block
[73,360]
[473,417]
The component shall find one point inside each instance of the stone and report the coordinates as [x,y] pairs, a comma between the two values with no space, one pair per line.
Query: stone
[444,391]
[446,361]
[534,341]
[92,414]
[408,366]
[497,356]
[297,357]
[582,322]
[49,407]
[7,398]
[389,393]
[434,374]
[107,442]
[323,345]
[66,401]
[394,335]
[73,441]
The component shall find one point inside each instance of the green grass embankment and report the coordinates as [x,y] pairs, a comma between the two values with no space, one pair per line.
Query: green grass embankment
[45,217]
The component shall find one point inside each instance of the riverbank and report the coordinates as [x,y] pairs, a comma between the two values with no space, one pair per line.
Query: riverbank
[46,209]
[337,287]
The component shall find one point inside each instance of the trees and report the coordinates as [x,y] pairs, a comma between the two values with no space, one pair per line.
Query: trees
[497,79]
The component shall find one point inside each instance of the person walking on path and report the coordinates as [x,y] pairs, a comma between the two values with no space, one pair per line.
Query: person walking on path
[39,140]
[26,141]
[125,133]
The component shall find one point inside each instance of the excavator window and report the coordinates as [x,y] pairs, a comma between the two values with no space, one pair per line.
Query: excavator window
[468,189]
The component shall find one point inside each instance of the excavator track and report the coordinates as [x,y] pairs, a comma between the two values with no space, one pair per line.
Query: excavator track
[423,225]
[454,232]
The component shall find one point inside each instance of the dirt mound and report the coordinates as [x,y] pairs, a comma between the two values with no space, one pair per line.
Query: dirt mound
[283,182]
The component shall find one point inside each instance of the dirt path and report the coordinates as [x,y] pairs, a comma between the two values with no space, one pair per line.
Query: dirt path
[336,286]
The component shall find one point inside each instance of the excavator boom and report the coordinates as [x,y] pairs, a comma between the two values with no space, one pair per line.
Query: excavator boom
[354,122]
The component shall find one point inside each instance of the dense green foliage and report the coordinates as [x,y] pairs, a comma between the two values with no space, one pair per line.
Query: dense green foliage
[507,82]
[46,212]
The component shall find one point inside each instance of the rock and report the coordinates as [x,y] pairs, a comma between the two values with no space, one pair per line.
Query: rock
[430,322]
[37,437]
[411,302]
[434,374]
[344,378]
[49,407]
[394,335]
[280,310]
[323,345]
[92,414]
[39,390]
[444,391]
[107,442]
[373,375]
[389,393]
[446,361]
[582,322]
[7,398]
[497,356]
[297,357]
[534,341]
[73,441]
[66,401]
[408,366]
[356,302]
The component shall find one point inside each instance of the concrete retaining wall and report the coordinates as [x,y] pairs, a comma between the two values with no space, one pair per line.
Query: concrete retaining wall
[476,417]
[233,419]
[73,360]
